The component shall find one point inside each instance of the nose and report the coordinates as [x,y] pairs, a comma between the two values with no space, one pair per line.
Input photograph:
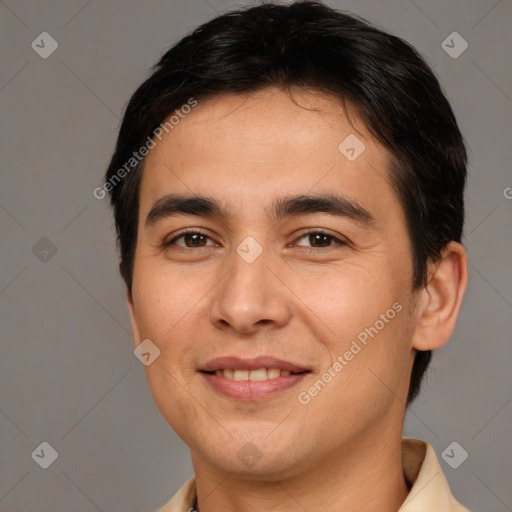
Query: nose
[251,297]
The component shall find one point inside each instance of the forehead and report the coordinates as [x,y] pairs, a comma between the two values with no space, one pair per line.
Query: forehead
[259,145]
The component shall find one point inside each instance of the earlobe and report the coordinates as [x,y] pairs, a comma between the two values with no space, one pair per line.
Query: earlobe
[133,322]
[440,300]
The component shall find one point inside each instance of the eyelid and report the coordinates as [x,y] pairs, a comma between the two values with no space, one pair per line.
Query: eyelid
[169,241]
[337,239]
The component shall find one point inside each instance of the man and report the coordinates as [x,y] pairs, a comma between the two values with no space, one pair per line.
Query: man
[288,194]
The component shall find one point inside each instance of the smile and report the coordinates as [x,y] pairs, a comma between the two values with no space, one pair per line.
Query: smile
[253,375]
[251,379]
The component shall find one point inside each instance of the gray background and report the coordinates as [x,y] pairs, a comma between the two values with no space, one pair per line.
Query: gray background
[68,375]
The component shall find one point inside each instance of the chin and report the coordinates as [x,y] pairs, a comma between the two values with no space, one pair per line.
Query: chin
[262,469]
[256,458]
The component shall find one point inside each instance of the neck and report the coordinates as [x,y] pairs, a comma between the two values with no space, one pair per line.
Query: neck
[367,476]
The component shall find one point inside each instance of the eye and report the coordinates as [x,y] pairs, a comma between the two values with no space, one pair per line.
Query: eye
[191,239]
[321,239]
[196,239]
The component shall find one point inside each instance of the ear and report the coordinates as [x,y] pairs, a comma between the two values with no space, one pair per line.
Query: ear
[440,300]
[131,310]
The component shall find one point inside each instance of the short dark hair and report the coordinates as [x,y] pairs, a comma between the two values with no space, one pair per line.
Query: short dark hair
[308,45]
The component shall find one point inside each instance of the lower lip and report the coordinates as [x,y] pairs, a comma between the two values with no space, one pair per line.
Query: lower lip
[247,390]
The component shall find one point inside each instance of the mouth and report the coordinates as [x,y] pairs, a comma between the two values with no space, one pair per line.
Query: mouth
[251,379]
[257,375]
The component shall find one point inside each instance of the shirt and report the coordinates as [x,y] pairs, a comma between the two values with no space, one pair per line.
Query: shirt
[429,489]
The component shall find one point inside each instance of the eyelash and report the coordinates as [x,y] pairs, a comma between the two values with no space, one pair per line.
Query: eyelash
[338,241]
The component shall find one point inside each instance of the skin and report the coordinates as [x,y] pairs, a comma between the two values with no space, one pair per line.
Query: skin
[301,300]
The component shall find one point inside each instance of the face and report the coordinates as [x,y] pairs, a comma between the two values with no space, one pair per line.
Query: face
[292,268]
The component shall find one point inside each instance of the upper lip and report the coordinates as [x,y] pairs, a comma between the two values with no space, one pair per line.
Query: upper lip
[238,363]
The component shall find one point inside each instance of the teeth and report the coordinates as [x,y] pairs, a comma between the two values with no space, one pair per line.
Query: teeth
[254,375]
[241,375]
[260,374]
[273,373]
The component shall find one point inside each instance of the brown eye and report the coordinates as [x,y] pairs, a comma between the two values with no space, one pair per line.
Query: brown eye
[194,239]
[190,240]
[319,240]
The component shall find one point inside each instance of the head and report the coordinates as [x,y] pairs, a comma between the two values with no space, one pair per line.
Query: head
[254,108]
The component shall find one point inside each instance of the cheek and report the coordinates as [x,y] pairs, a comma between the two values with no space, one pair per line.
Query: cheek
[342,301]
[162,301]
[164,307]
[371,365]
[360,316]
[380,369]
[173,398]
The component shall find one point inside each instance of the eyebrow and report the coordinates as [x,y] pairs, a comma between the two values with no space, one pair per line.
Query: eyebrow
[341,206]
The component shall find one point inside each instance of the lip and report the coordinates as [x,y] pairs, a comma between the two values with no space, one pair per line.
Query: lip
[247,390]
[233,362]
